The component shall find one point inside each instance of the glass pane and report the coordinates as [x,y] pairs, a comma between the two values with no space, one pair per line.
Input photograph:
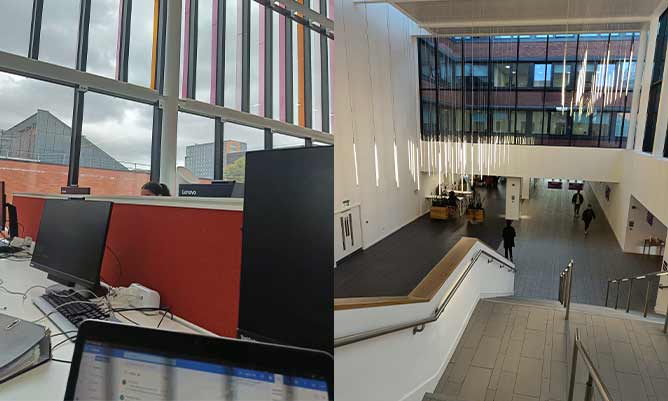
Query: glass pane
[195,144]
[232,53]
[536,122]
[316,81]
[60,26]
[255,59]
[558,122]
[522,126]
[580,124]
[559,76]
[204,40]
[238,140]
[116,145]
[287,141]
[277,77]
[15,20]
[141,42]
[523,75]
[103,37]
[36,122]
[500,121]
[541,74]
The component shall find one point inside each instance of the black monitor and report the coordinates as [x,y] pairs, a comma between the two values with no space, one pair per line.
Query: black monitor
[71,241]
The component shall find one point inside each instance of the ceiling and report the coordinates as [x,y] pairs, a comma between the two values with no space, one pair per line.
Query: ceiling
[526,16]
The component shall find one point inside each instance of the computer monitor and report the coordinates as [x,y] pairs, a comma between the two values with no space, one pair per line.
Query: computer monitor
[71,241]
[123,362]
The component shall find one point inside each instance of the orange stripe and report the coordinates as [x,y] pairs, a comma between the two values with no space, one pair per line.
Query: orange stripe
[300,59]
[154,52]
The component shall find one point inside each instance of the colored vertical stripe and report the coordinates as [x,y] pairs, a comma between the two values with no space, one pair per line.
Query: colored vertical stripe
[154,50]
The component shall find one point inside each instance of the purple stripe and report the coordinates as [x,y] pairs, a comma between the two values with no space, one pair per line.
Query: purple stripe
[281,65]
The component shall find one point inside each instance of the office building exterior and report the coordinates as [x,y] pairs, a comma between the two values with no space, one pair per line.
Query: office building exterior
[43,138]
[200,157]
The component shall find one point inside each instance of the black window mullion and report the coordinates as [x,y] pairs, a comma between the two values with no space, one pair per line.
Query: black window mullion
[218,149]
[308,84]
[420,89]
[35,28]
[82,36]
[159,79]
[268,139]
[124,41]
[289,84]
[438,106]
[245,55]
[191,76]
[75,141]
[324,76]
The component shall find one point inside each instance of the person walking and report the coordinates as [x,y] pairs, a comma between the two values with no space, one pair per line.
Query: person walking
[577,201]
[587,216]
[509,239]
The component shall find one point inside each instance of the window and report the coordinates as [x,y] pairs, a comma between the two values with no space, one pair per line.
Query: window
[204,41]
[480,121]
[656,83]
[238,140]
[521,126]
[141,43]
[287,141]
[60,26]
[536,122]
[195,145]
[115,156]
[523,75]
[558,76]
[501,122]
[580,124]
[15,26]
[103,37]
[541,74]
[35,124]
[558,121]
[504,75]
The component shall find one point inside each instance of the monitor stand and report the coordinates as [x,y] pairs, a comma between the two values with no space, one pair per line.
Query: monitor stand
[64,284]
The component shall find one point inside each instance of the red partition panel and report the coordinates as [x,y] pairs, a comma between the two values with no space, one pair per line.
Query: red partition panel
[192,257]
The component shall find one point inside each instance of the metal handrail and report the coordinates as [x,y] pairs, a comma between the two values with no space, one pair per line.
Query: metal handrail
[630,280]
[594,376]
[419,324]
[565,285]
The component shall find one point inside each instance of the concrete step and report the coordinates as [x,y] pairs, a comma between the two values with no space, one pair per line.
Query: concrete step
[440,397]
[583,308]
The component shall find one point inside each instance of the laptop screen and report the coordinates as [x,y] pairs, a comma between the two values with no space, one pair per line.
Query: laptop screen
[109,372]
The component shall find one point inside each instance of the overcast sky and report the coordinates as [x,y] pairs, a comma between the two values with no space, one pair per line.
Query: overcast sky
[120,127]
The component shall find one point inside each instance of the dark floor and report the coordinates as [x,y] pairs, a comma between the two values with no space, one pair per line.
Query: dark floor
[395,265]
[548,237]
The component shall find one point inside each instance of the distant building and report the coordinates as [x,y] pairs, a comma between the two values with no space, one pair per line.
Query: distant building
[200,157]
[43,138]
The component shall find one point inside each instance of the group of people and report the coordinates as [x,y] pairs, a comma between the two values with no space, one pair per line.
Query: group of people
[588,216]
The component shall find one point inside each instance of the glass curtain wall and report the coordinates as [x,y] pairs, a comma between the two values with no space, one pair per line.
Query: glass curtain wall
[560,90]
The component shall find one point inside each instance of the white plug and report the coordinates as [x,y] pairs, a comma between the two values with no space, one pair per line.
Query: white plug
[143,297]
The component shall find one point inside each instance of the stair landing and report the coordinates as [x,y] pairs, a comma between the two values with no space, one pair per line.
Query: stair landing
[519,349]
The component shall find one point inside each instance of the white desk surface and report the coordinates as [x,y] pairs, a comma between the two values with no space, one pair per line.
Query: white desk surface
[48,381]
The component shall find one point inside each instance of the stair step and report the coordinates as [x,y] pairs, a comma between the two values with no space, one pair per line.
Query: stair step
[440,397]
[584,308]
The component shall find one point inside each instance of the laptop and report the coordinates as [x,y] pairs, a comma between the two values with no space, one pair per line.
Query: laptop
[114,361]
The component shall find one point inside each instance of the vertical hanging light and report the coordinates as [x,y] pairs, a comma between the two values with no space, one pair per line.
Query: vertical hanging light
[396,164]
[375,161]
[357,177]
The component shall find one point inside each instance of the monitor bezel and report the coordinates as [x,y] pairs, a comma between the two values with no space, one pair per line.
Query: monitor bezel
[273,358]
[60,275]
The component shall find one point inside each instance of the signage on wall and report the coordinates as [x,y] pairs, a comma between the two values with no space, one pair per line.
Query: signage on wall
[607,192]
[665,266]
[650,218]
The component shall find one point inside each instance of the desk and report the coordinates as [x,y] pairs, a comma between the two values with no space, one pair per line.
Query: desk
[48,381]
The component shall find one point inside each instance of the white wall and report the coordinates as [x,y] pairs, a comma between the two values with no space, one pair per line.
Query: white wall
[375,84]
[403,366]
[641,229]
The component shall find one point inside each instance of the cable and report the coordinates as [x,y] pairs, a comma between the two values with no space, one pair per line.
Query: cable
[118,260]
[63,342]
[60,360]
[63,333]
[125,317]
[165,311]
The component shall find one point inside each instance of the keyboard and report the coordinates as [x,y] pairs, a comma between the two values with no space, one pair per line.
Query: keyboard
[69,317]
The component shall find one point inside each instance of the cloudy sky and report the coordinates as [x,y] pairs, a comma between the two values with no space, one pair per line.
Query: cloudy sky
[121,128]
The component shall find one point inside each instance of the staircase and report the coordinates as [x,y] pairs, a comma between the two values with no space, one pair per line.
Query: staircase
[519,349]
